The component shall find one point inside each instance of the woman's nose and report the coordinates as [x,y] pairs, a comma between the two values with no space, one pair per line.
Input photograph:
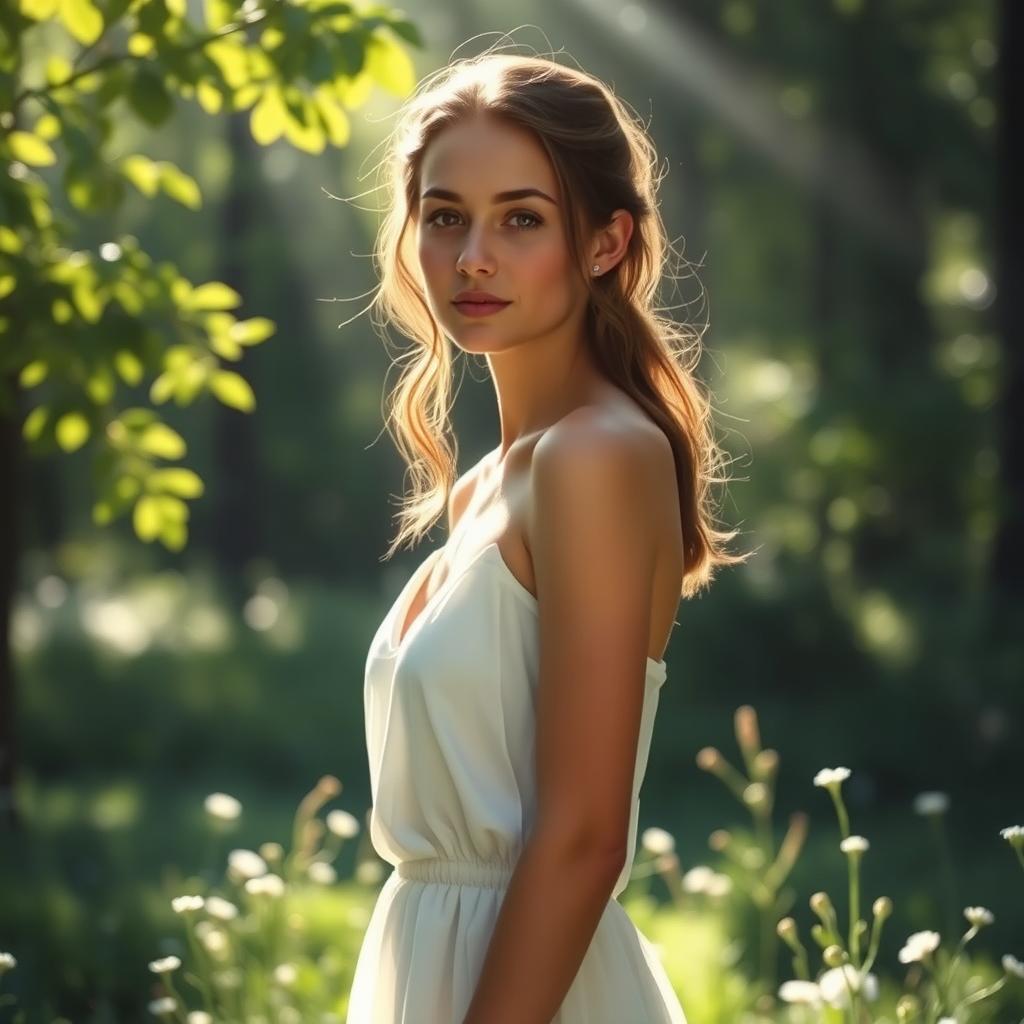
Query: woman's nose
[475,254]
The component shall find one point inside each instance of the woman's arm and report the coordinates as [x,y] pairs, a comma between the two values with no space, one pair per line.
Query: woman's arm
[593,540]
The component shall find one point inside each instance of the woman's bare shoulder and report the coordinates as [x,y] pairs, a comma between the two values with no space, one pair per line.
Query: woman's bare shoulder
[463,489]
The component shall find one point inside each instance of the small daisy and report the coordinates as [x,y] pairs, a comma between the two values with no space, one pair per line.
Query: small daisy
[978,916]
[322,873]
[222,909]
[1013,966]
[698,878]
[164,965]
[931,802]
[919,946]
[222,807]
[165,1004]
[216,941]
[1014,835]
[181,904]
[854,844]
[804,992]
[343,824]
[269,885]
[831,776]
[718,885]
[835,985]
[285,974]
[243,864]
[657,841]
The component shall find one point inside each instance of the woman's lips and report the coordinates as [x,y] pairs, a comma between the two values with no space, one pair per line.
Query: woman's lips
[479,308]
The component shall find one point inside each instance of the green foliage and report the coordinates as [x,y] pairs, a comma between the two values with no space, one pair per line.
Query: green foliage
[79,328]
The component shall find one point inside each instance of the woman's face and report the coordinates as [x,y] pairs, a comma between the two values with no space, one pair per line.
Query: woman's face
[472,238]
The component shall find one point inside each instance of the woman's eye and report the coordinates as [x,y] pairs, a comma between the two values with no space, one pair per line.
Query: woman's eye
[533,217]
[440,213]
[535,221]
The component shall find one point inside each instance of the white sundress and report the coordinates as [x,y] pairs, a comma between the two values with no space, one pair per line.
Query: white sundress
[450,712]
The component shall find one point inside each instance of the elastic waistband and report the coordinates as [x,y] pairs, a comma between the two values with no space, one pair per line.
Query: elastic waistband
[488,874]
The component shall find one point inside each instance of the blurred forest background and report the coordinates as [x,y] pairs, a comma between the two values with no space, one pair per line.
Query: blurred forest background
[838,174]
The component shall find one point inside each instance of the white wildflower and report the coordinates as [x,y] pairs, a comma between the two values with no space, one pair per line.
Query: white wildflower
[718,885]
[698,878]
[215,940]
[164,964]
[322,873]
[931,802]
[268,885]
[796,991]
[978,915]
[222,807]
[285,974]
[165,1004]
[243,864]
[7,962]
[657,841]
[271,852]
[199,1017]
[180,904]
[835,985]
[1013,966]
[369,871]
[918,946]
[1013,834]
[831,776]
[854,844]
[343,824]
[222,909]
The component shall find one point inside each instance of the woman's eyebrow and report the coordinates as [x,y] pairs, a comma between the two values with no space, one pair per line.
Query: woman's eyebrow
[501,197]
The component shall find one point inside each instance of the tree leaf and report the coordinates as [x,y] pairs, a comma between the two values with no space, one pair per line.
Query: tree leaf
[269,116]
[30,149]
[142,172]
[146,518]
[233,389]
[83,20]
[213,295]
[71,431]
[252,331]
[149,97]
[180,186]
[128,365]
[389,65]
[35,423]
[33,373]
[163,441]
[178,480]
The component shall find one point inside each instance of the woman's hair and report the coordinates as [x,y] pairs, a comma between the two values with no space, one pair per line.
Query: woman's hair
[603,161]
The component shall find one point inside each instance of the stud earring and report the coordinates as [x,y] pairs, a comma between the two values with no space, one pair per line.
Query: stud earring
[597,269]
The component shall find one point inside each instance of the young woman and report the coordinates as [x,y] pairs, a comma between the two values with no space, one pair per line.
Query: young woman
[511,689]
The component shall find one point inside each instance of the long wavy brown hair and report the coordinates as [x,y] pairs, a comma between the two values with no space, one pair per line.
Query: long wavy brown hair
[604,160]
